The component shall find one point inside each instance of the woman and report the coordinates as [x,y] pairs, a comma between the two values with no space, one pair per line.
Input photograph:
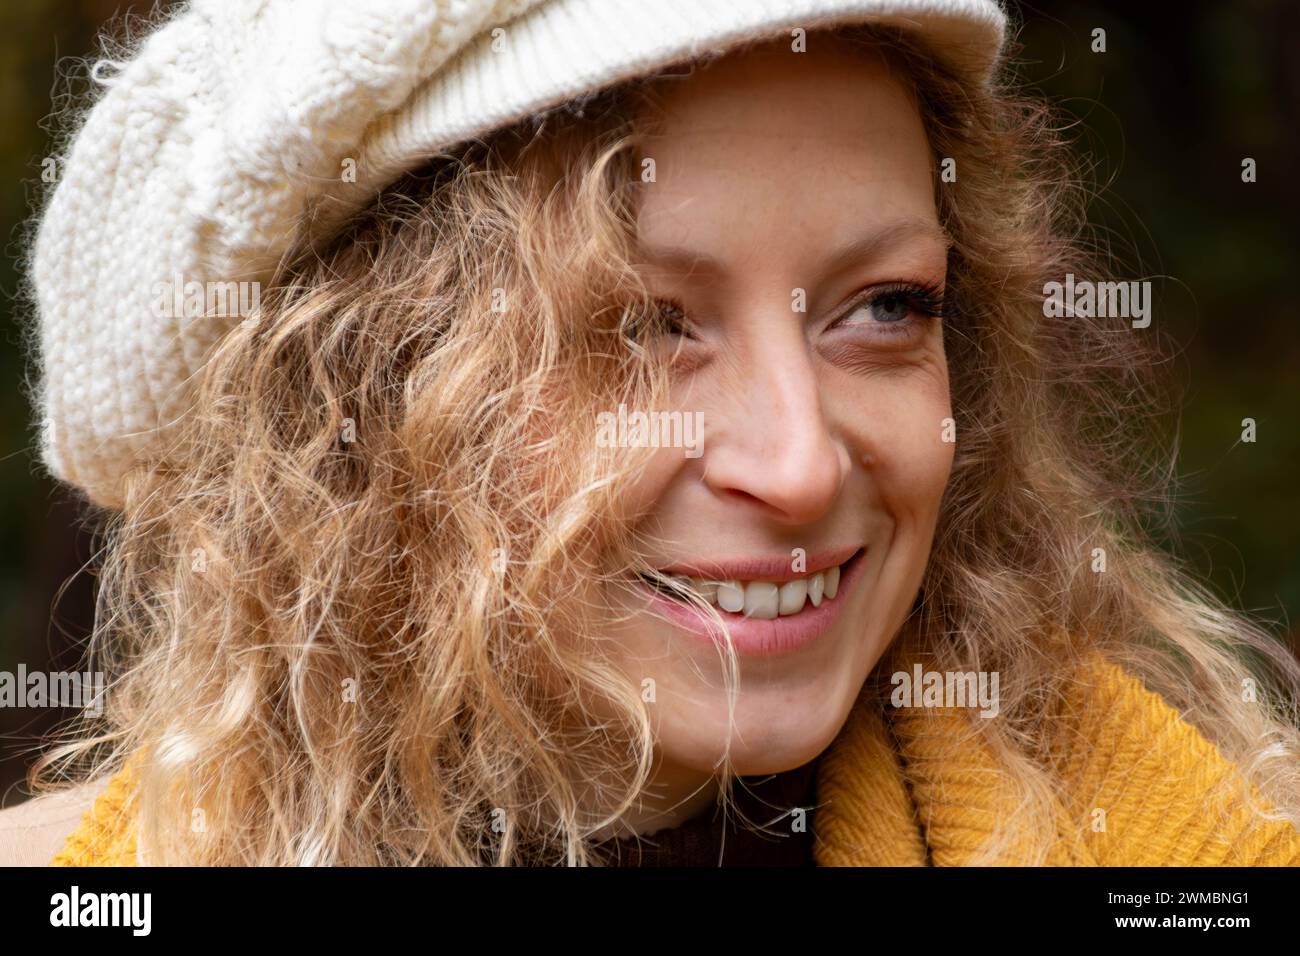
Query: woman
[694,443]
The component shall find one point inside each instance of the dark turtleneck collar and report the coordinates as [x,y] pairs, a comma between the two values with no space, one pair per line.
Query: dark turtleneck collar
[766,802]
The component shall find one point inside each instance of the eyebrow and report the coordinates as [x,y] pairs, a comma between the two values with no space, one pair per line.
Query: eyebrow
[856,250]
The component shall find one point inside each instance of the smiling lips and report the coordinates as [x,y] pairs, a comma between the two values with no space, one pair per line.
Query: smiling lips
[759,599]
[768,607]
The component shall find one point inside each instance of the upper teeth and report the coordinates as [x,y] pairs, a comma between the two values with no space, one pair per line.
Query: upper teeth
[765,599]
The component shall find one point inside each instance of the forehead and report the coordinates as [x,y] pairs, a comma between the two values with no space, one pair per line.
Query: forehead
[776,141]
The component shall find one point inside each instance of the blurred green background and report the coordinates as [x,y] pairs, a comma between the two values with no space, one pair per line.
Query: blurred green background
[1167,113]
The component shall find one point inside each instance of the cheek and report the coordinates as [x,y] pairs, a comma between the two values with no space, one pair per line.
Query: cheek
[652,472]
[906,438]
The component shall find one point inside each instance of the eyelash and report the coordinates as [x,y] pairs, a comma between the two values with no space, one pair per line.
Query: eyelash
[925,298]
[673,326]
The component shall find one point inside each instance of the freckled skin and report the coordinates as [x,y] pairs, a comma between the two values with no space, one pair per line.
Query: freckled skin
[815,436]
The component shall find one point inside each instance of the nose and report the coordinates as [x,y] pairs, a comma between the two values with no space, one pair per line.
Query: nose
[774,445]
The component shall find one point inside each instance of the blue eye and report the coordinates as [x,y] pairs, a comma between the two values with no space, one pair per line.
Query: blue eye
[891,307]
[895,305]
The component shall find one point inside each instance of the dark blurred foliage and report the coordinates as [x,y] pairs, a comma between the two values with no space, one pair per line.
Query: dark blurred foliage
[1166,115]
[1169,112]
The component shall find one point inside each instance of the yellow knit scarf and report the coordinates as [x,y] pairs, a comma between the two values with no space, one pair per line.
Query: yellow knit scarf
[917,788]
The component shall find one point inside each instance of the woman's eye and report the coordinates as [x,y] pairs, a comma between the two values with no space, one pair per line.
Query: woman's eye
[666,318]
[890,307]
[899,307]
[674,318]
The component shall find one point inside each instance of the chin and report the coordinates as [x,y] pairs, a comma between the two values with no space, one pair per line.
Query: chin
[769,736]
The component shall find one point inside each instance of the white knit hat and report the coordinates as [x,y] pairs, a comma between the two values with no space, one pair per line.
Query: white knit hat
[235,118]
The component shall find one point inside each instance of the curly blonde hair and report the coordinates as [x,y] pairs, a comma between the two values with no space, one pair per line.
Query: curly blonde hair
[340,610]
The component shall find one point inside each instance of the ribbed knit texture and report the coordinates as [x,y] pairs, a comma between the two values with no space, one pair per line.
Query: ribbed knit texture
[914,788]
[237,121]
[106,835]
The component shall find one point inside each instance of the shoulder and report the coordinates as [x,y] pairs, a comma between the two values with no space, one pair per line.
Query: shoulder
[1150,785]
[32,833]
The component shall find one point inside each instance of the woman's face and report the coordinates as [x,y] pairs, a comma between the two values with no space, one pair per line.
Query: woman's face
[783,181]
